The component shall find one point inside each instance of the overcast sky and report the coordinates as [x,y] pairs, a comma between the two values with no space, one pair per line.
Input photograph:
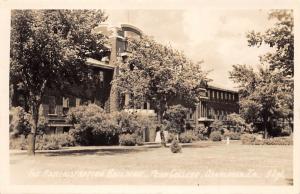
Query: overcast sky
[218,37]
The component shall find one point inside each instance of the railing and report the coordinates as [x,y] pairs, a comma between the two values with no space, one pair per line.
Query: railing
[149,112]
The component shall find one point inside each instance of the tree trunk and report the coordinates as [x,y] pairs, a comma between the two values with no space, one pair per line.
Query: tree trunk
[32,135]
[160,120]
[265,128]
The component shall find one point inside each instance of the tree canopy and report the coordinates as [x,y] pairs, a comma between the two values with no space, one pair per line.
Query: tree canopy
[281,37]
[159,74]
[49,49]
[266,93]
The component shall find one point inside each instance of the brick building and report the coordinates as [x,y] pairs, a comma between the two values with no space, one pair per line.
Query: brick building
[215,103]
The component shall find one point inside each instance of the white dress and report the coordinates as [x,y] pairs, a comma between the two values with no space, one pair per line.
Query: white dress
[157,137]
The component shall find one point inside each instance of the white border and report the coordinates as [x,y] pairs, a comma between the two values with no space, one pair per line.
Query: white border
[7,5]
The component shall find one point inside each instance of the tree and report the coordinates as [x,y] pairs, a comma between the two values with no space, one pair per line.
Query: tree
[49,49]
[281,37]
[159,74]
[262,97]
[267,94]
[175,115]
[236,120]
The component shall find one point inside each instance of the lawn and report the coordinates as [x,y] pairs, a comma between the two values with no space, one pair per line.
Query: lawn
[203,164]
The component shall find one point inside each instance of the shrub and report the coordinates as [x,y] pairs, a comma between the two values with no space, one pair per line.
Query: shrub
[19,143]
[202,130]
[217,125]
[129,122]
[139,140]
[286,131]
[44,142]
[176,115]
[185,138]
[279,141]
[251,139]
[130,139]
[202,137]
[175,146]
[216,136]
[54,141]
[82,135]
[19,122]
[248,138]
[171,137]
[90,122]
[232,135]
[65,139]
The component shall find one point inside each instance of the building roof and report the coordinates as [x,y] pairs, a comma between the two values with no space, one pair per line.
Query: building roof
[100,64]
[211,86]
[132,27]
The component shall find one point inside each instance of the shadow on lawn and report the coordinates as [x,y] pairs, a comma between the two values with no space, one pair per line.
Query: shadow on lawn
[114,151]
[100,152]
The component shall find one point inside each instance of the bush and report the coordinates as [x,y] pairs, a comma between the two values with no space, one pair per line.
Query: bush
[202,137]
[91,123]
[130,139]
[251,139]
[286,131]
[171,137]
[18,143]
[65,139]
[217,125]
[232,135]
[175,146]
[202,130]
[44,142]
[187,137]
[19,122]
[54,141]
[129,122]
[216,136]
[176,115]
[279,141]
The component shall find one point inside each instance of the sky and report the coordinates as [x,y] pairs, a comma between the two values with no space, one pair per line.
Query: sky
[215,36]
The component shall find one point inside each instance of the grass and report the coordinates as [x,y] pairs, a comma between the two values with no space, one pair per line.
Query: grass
[206,164]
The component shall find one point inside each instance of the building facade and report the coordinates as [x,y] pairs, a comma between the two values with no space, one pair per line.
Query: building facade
[215,102]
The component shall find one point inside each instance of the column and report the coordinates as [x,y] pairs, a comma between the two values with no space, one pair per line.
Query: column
[127,100]
[199,109]
[196,115]
[148,105]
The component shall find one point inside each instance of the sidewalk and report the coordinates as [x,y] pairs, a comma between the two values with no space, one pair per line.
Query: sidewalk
[90,148]
[117,147]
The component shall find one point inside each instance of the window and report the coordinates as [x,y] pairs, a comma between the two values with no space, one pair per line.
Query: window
[101,79]
[217,95]
[77,102]
[72,102]
[90,74]
[52,105]
[65,102]
[65,105]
